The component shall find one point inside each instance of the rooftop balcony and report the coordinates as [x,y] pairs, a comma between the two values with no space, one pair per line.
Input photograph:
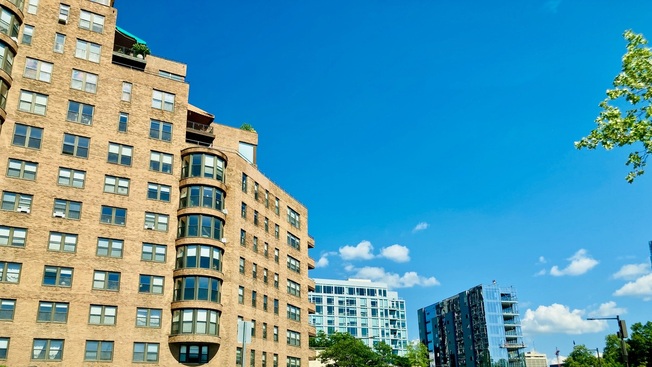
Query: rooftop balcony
[125,56]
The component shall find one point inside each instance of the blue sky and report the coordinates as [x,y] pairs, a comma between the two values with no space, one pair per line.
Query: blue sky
[432,142]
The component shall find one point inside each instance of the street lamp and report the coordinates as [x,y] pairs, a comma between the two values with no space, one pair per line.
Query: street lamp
[622,334]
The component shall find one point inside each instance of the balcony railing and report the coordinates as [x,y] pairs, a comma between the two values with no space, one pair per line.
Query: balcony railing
[192,125]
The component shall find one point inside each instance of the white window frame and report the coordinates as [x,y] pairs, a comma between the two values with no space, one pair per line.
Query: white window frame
[62,242]
[88,51]
[116,185]
[71,177]
[25,170]
[33,102]
[163,100]
[91,21]
[84,81]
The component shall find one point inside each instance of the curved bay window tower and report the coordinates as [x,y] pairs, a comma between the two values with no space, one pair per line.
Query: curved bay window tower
[11,19]
[200,247]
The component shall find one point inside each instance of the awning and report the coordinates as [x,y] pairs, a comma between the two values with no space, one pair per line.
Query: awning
[136,38]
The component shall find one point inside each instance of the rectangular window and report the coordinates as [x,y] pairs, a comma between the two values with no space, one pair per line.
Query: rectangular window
[33,102]
[113,215]
[293,241]
[150,284]
[38,70]
[276,280]
[254,270]
[120,154]
[160,130]
[84,81]
[238,356]
[294,361]
[255,190]
[276,205]
[88,51]
[80,113]
[275,334]
[62,242]
[158,192]
[263,359]
[103,2]
[294,264]
[294,339]
[106,280]
[98,350]
[277,231]
[64,12]
[67,209]
[162,100]
[266,222]
[160,162]
[294,218]
[57,276]
[126,91]
[32,6]
[293,312]
[266,249]
[123,122]
[75,145]
[294,288]
[28,33]
[16,202]
[71,177]
[153,252]
[264,331]
[252,358]
[52,312]
[9,272]
[167,74]
[275,306]
[255,217]
[254,298]
[156,221]
[59,42]
[116,185]
[265,275]
[7,308]
[109,247]
[276,255]
[148,317]
[4,347]
[27,136]
[242,265]
[241,295]
[265,302]
[13,236]
[91,21]
[244,182]
[102,315]
[47,349]
[22,169]
[266,199]
[243,211]
[243,237]
[146,352]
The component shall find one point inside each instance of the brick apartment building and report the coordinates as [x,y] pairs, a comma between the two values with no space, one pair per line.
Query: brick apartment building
[133,229]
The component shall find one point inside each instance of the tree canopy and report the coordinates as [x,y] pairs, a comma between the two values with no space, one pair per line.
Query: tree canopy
[626,115]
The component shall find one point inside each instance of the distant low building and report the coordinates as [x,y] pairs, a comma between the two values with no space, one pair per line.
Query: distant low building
[362,308]
[535,359]
[475,328]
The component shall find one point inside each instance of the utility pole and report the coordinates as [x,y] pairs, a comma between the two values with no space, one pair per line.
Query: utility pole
[622,332]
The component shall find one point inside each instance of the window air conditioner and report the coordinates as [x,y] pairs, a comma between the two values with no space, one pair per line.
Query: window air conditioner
[63,18]
[59,215]
[23,209]
[223,239]
[149,226]
[225,211]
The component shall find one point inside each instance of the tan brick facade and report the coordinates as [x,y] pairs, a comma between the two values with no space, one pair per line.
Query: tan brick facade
[139,158]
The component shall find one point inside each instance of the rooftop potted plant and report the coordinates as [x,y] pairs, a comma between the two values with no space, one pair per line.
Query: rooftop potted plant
[140,50]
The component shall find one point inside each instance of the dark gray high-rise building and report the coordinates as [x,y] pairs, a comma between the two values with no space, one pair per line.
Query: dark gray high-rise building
[479,327]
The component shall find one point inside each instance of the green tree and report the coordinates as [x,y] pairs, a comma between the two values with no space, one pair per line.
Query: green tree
[613,352]
[581,356]
[320,341]
[417,354]
[345,350]
[640,345]
[247,127]
[631,125]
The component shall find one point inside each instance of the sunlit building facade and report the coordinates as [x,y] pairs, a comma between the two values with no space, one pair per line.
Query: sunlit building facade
[133,229]
[365,309]
[476,328]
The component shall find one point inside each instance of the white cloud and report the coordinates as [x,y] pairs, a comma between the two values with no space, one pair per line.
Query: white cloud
[608,309]
[362,251]
[580,263]
[558,318]
[542,260]
[632,271]
[398,253]
[394,280]
[540,273]
[323,260]
[420,227]
[641,287]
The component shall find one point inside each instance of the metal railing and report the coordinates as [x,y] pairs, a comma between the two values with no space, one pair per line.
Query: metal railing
[199,127]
